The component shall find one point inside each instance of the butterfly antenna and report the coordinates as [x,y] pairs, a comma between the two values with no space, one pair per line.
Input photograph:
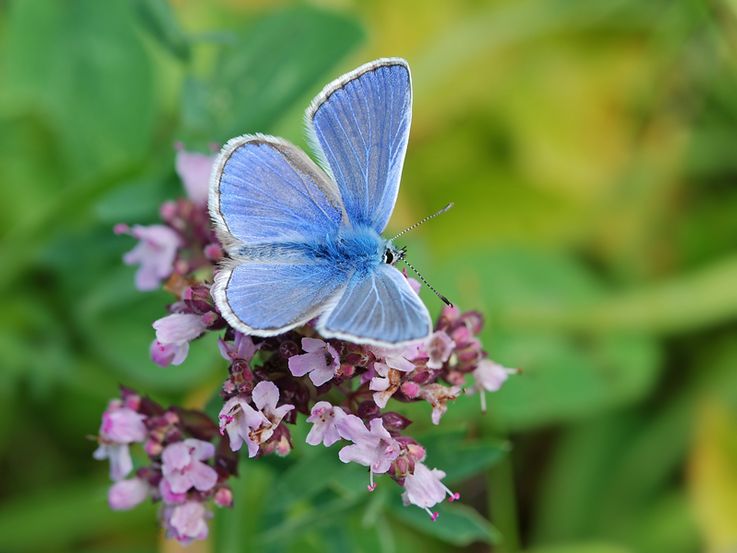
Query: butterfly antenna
[445,300]
[421,221]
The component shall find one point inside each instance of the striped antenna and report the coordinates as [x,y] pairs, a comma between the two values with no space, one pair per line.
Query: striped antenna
[445,300]
[421,221]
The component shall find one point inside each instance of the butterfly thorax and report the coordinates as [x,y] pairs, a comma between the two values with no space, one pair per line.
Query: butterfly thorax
[352,249]
[359,248]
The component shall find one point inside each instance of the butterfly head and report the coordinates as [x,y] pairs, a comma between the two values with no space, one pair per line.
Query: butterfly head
[393,254]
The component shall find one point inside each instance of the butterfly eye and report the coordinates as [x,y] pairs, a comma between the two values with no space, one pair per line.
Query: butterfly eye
[388,256]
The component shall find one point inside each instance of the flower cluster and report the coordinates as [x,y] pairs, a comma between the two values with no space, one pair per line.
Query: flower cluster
[343,389]
[185,471]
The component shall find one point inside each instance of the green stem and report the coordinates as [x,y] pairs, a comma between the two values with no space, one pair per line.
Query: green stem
[503,504]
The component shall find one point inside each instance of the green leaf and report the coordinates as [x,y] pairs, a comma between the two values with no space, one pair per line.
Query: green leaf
[264,69]
[59,513]
[461,457]
[236,528]
[73,63]
[311,474]
[457,524]
[158,18]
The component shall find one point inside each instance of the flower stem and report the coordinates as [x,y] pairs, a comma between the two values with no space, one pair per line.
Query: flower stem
[503,504]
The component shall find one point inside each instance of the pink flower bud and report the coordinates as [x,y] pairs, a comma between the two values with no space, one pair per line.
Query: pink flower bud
[223,497]
[410,389]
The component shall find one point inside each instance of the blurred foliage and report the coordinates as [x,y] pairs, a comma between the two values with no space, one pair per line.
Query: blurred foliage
[589,149]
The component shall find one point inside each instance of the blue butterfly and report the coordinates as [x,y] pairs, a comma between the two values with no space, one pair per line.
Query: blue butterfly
[305,242]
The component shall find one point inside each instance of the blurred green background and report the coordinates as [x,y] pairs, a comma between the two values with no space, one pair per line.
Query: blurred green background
[589,147]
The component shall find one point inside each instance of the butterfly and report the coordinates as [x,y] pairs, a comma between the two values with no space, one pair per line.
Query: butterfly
[304,240]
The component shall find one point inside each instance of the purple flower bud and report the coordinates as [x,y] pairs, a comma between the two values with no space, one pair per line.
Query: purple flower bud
[168,211]
[288,349]
[368,410]
[394,422]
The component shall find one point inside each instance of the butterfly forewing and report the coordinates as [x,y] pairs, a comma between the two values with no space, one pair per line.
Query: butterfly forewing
[360,126]
[265,190]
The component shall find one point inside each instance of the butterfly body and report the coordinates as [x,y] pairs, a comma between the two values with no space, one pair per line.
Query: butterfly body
[305,240]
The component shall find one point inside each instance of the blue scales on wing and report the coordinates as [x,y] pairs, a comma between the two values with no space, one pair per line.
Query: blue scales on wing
[266,191]
[270,298]
[360,125]
[378,307]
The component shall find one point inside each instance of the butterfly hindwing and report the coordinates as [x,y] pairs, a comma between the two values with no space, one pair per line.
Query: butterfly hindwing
[265,190]
[268,298]
[359,125]
[377,307]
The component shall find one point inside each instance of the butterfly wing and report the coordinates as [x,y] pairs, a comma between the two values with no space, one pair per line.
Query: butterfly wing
[269,298]
[379,308]
[266,199]
[264,190]
[359,126]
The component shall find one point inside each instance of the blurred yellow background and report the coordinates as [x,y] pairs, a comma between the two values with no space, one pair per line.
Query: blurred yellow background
[589,147]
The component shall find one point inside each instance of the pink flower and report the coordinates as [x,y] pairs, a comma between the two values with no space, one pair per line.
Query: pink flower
[438,396]
[425,489]
[242,347]
[489,377]
[439,347]
[120,427]
[321,361]
[194,169]
[237,418]
[395,358]
[173,334]
[126,494]
[155,253]
[183,467]
[119,456]
[384,385]
[168,354]
[324,429]
[168,496]
[186,522]
[373,447]
[414,284]
[243,423]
